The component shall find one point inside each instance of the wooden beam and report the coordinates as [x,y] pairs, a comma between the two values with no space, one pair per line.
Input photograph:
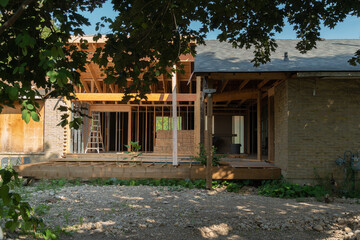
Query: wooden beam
[156,97]
[270,129]
[52,170]
[243,84]
[197,116]
[328,74]
[164,83]
[259,156]
[111,86]
[109,108]
[209,138]
[249,76]
[129,130]
[84,84]
[94,76]
[260,85]
[223,86]
[248,132]
[235,95]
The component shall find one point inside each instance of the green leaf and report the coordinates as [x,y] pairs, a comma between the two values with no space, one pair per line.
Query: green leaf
[34,116]
[30,106]
[13,93]
[4,191]
[24,112]
[54,52]
[24,51]
[26,115]
[3,3]
[27,118]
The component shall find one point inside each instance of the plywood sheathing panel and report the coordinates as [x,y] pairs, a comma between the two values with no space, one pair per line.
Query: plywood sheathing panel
[16,135]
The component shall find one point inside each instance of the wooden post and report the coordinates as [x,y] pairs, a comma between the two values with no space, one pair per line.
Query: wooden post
[129,131]
[209,114]
[174,111]
[270,129]
[259,156]
[248,131]
[197,115]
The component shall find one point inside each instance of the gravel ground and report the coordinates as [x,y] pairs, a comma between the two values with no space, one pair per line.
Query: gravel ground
[143,212]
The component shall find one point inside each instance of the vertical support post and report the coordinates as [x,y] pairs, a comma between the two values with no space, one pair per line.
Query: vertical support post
[129,130]
[270,129]
[107,131]
[209,114]
[174,111]
[248,131]
[117,132]
[259,156]
[197,115]
[146,129]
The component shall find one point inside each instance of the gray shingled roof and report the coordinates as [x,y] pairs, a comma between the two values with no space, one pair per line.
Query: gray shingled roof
[330,55]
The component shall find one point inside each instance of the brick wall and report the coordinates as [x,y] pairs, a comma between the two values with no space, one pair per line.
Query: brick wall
[281,126]
[321,126]
[54,135]
[163,142]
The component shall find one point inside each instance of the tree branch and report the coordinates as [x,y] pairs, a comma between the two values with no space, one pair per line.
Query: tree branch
[14,17]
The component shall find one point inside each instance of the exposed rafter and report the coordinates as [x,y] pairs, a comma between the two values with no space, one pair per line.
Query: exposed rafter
[263,83]
[94,76]
[243,84]
[85,84]
[223,86]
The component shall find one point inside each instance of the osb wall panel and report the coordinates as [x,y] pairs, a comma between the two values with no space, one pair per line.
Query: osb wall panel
[16,135]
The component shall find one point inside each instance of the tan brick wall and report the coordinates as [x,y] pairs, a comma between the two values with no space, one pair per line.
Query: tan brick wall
[163,142]
[54,135]
[281,126]
[321,126]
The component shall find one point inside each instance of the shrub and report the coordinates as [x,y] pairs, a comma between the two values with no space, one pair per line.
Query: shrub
[16,213]
[284,189]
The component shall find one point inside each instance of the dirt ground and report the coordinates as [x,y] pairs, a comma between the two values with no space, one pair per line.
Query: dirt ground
[144,212]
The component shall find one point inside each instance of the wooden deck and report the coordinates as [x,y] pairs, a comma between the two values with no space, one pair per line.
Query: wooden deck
[147,166]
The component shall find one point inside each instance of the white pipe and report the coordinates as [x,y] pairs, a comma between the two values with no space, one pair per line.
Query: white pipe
[174,113]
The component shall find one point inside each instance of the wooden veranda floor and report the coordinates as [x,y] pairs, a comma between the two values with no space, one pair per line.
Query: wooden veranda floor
[109,165]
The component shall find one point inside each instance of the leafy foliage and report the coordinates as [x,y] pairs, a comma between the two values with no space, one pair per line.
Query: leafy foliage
[16,213]
[202,156]
[35,54]
[149,36]
[146,40]
[284,189]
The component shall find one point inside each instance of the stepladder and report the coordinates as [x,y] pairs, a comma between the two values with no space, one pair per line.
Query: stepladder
[95,139]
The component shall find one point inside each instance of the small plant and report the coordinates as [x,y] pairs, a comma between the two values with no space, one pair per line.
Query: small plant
[81,221]
[67,214]
[42,209]
[134,148]
[202,156]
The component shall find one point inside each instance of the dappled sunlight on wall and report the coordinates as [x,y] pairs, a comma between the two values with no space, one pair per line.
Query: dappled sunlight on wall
[16,135]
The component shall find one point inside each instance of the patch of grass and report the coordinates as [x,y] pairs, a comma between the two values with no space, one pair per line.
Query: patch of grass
[42,209]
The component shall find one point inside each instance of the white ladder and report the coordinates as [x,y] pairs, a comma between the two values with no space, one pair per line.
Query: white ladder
[95,140]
